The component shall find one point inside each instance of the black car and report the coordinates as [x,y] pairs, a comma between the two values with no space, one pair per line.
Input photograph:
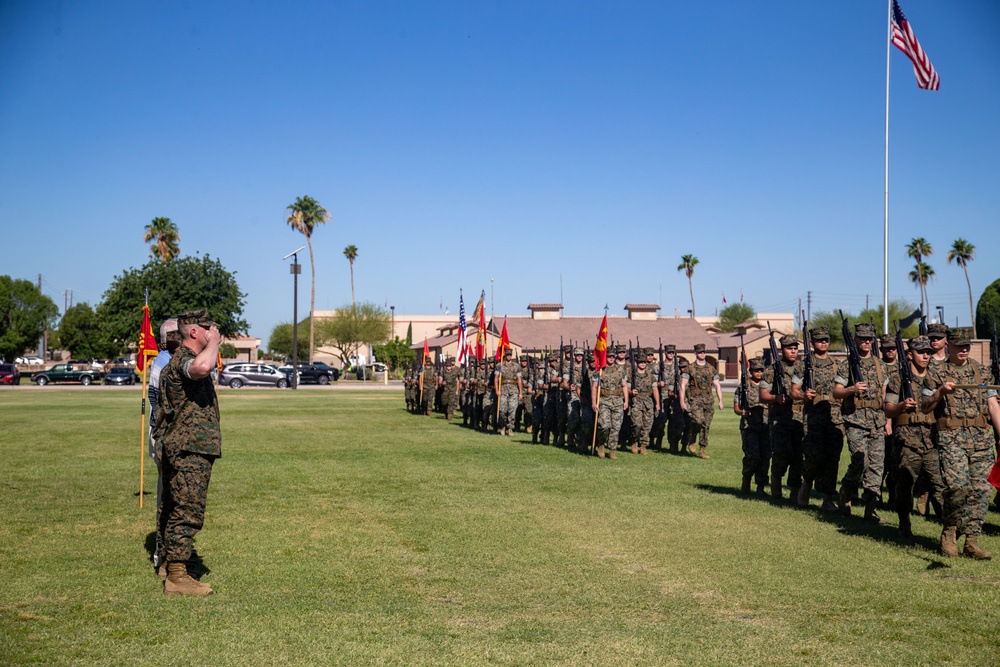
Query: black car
[121,375]
[316,373]
[334,372]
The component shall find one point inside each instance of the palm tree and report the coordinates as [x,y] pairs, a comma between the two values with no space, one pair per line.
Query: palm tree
[305,214]
[688,262]
[920,274]
[919,248]
[962,252]
[166,236]
[351,253]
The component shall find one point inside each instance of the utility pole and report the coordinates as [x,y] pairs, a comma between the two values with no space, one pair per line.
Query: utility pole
[41,339]
[809,305]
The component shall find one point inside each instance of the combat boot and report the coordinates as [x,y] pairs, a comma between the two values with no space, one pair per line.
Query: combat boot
[161,571]
[642,450]
[611,455]
[635,448]
[845,501]
[922,503]
[905,531]
[775,486]
[600,451]
[793,493]
[829,504]
[179,582]
[702,454]
[745,488]
[871,516]
[973,550]
[805,492]
[949,544]
[691,449]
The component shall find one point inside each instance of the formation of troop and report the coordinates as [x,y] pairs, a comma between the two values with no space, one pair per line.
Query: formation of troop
[917,419]
[640,397]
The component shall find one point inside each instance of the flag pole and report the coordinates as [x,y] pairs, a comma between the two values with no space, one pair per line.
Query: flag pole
[142,438]
[885,224]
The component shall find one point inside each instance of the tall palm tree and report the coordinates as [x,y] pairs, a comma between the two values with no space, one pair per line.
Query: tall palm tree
[918,249]
[962,252]
[351,253]
[166,236]
[305,214]
[920,274]
[688,262]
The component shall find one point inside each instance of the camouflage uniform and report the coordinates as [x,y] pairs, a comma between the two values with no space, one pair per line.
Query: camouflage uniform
[574,377]
[786,430]
[187,430]
[677,422]
[523,414]
[553,379]
[641,408]
[754,434]
[700,402]
[449,384]
[539,395]
[510,394]
[864,419]
[610,409]
[823,439]
[586,406]
[964,442]
[427,384]
[915,453]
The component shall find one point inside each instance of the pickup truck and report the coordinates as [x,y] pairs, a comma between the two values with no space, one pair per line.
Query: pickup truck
[68,373]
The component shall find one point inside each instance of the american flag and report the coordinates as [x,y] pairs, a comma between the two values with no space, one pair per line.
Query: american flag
[906,41]
[463,348]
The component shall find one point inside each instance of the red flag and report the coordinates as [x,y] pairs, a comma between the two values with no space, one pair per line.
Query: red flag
[480,319]
[904,39]
[504,341]
[147,341]
[994,477]
[601,346]
[723,297]
[427,350]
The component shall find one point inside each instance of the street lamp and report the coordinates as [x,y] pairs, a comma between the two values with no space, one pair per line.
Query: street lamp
[940,310]
[295,270]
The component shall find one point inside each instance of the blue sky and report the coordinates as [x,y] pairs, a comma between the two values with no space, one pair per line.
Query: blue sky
[566,150]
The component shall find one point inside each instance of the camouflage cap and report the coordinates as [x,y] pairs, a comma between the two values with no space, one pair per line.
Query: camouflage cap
[619,348]
[937,330]
[919,344]
[199,317]
[789,340]
[960,336]
[864,330]
[648,351]
[553,357]
[670,348]
[449,361]
[887,341]
[173,336]
[756,364]
[508,352]
[820,333]
[699,347]
[577,351]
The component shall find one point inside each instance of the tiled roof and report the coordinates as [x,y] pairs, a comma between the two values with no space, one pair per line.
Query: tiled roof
[544,306]
[642,306]
[533,334]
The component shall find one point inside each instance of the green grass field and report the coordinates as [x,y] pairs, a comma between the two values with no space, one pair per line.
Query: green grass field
[342,530]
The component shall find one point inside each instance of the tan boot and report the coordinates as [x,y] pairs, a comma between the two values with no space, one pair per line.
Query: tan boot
[702,454]
[691,449]
[805,492]
[600,451]
[179,582]
[635,448]
[845,501]
[949,544]
[922,503]
[161,572]
[611,454]
[973,550]
[642,451]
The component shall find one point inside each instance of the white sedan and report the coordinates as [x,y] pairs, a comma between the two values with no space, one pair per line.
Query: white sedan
[29,361]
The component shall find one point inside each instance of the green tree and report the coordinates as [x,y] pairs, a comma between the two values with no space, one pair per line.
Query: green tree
[831,320]
[185,283]
[733,314]
[305,214]
[918,249]
[165,235]
[962,252]
[279,344]
[899,309]
[396,353]
[353,326]
[25,314]
[688,262]
[228,351]
[81,333]
[409,334]
[351,253]
[988,311]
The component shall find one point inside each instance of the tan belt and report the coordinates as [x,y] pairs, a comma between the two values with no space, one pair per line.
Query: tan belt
[908,418]
[823,398]
[644,393]
[611,392]
[870,403]
[953,423]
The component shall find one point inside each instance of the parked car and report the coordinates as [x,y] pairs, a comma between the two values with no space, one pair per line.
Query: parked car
[29,361]
[334,372]
[9,374]
[121,375]
[240,374]
[124,361]
[81,373]
[313,374]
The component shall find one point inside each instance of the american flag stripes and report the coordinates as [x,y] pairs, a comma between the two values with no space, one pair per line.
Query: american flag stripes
[904,39]
[463,340]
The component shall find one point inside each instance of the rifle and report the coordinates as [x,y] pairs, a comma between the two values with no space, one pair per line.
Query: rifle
[660,374]
[808,381]
[905,375]
[631,361]
[780,391]
[922,327]
[853,357]
[572,370]
[876,352]
[744,395]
